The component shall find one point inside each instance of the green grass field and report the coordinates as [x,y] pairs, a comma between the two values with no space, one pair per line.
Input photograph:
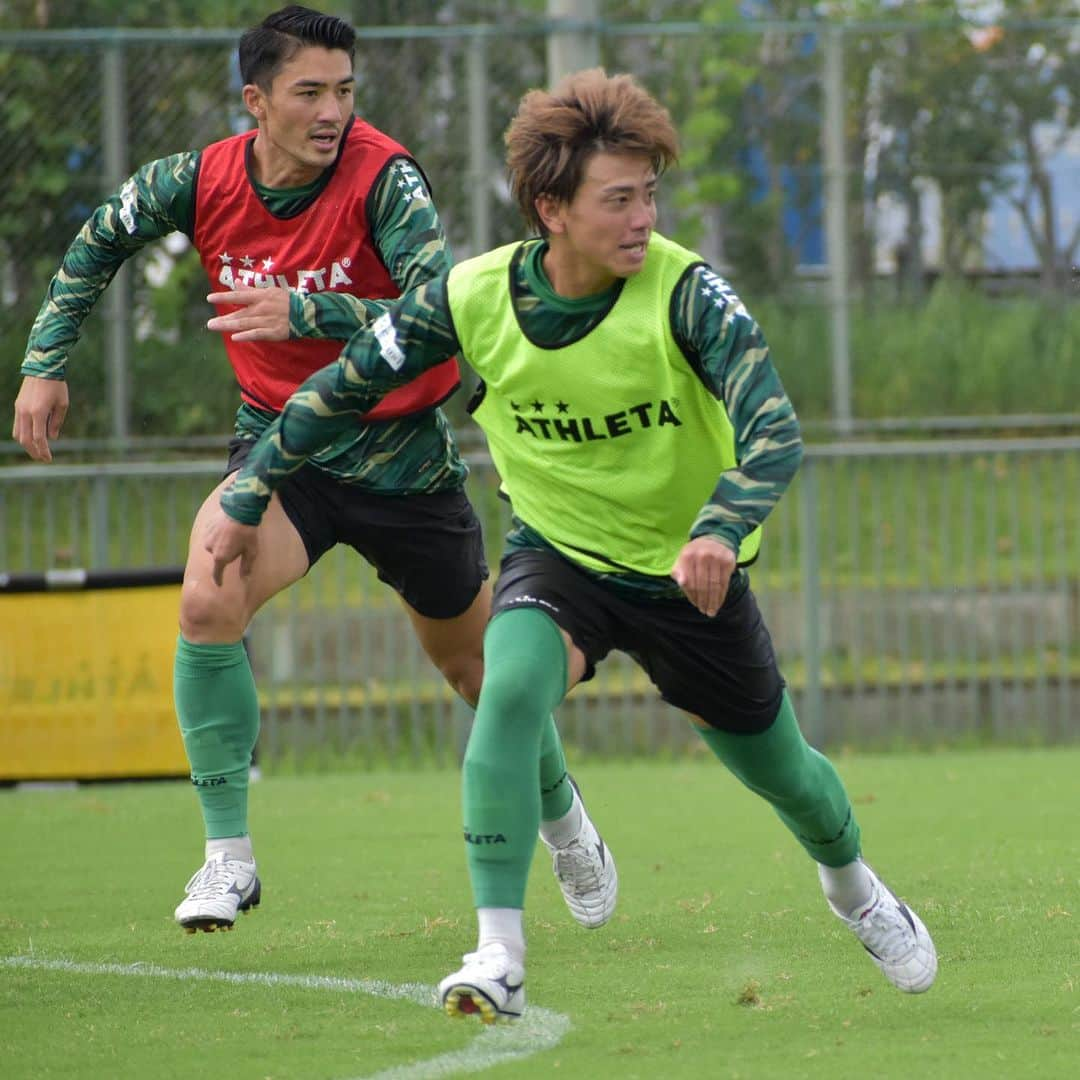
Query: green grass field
[722,959]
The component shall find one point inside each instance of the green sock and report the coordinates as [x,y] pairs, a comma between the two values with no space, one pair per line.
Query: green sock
[800,784]
[524,679]
[218,711]
[556,794]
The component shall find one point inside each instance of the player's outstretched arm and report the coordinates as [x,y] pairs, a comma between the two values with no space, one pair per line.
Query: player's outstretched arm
[414,335]
[411,242]
[40,409]
[277,314]
[154,202]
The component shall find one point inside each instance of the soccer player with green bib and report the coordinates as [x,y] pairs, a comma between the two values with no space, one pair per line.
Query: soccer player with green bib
[642,435]
[315,220]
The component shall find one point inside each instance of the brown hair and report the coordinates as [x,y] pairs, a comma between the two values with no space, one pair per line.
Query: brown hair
[554,133]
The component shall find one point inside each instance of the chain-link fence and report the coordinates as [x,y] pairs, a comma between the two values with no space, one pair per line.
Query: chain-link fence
[837,172]
[898,203]
[917,594]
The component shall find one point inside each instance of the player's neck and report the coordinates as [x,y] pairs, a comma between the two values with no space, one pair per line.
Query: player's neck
[572,277]
[274,168]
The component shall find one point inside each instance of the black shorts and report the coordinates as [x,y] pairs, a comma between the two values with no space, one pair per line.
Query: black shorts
[722,669]
[428,548]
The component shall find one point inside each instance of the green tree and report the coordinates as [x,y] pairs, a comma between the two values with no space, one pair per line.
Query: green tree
[956,102]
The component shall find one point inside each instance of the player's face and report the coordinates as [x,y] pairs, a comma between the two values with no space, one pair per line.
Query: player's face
[302,119]
[602,233]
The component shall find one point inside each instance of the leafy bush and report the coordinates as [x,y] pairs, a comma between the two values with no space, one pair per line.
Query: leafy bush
[959,353]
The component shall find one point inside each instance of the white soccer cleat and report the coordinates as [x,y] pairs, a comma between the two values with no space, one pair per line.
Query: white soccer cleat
[491,984]
[585,871]
[216,892]
[895,938]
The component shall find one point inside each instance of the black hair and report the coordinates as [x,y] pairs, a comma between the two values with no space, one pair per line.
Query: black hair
[265,49]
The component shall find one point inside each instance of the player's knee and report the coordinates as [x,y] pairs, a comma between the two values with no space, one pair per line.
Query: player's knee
[210,613]
[464,672]
[509,692]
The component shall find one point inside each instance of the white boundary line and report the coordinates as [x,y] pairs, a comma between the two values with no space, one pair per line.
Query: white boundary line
[538,1030]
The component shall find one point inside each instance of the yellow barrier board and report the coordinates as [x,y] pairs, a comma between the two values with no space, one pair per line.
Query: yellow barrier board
[86,684]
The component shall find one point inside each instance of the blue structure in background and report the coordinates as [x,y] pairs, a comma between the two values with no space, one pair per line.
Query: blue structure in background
[801,187]
[1006,243]
[802,209]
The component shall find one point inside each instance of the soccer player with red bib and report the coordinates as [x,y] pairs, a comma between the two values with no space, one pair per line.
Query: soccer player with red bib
[313,221]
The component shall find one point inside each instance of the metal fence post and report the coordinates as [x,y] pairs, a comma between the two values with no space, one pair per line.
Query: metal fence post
[836,224]
[570,46]
[812,711]
[99,522]
[114,134]
[479,164]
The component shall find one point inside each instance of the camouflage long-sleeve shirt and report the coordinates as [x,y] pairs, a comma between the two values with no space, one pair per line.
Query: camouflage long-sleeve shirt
[412,454]
[709,322]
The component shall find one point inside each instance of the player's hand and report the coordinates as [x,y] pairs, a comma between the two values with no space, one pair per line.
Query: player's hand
[40,409]
[227,540]
[263,314]
[703,571]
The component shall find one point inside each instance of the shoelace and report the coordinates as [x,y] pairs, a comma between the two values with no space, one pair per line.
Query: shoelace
[576,866]
[889,934]
[209,880]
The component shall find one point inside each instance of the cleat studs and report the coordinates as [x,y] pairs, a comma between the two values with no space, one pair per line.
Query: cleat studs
[206,927]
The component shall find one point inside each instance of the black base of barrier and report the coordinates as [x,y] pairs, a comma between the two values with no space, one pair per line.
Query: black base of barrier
[51,580]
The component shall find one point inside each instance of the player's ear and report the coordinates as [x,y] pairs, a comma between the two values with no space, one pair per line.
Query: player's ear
[253,100]
[550,212]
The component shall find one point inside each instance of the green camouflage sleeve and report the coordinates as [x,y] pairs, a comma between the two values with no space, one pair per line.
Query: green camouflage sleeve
[415,334]
[331,314]
[412,245]
[155,201]
[731,355]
